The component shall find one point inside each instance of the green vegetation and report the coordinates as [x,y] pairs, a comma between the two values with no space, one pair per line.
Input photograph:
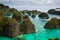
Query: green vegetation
[14,22]
[30,12]
[53,23]
[43,15]
[9,27]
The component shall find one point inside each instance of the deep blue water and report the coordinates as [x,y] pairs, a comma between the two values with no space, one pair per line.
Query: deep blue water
[41,33]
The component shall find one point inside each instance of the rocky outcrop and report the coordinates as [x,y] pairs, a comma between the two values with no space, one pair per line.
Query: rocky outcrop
[54,11]
[52,24]
[43,15]
[33,16]
[27,26]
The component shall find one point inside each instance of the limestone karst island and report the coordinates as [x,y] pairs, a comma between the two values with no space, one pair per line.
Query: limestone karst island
[29,20]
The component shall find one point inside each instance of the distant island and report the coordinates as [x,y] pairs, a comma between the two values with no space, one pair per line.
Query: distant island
[54,11]
[54,23]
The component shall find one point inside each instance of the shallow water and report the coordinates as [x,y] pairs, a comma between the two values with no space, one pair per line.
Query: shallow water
[41,33]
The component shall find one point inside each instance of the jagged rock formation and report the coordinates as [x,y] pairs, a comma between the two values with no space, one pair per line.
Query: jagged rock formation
[43,15]
[53,23]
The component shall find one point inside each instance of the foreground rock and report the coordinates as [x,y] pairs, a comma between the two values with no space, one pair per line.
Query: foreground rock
[9,27]
[43,15]
[52,24]
[54,11]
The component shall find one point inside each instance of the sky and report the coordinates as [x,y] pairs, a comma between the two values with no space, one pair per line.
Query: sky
[42,5]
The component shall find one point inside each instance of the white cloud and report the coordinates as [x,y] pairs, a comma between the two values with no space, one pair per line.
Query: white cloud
[4,0]
[49,1]
[31,2]
[44,2]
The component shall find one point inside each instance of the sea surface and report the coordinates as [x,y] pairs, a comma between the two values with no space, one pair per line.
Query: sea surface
[41,33]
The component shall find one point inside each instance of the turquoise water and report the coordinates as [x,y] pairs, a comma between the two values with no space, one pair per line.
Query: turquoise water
[41,33]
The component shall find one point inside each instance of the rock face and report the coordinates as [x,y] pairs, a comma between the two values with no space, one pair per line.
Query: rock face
[43,15]
[52,24]
[54,11]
